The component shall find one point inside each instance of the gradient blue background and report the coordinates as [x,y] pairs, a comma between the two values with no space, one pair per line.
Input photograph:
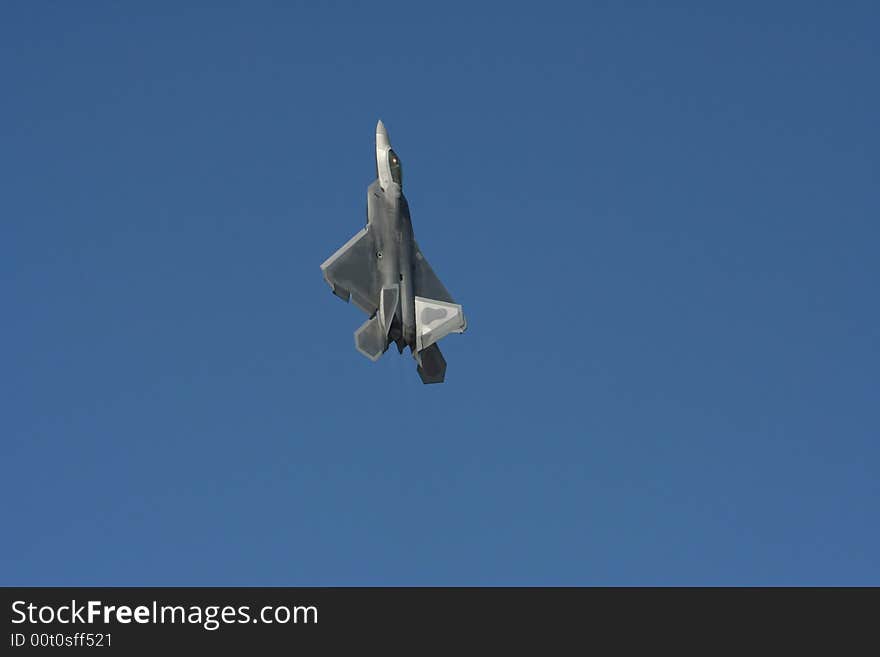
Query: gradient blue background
[662,223]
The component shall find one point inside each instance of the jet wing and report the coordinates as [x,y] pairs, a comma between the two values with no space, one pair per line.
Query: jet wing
[427,283]
[351,272]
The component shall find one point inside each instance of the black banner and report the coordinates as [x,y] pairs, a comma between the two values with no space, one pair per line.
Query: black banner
[129,620]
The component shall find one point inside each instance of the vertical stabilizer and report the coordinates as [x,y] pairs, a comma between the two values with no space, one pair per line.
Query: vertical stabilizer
[389,299]
[432,365]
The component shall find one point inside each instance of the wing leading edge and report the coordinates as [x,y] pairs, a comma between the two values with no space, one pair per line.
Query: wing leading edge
[427,283]
[351,272]
[437,314]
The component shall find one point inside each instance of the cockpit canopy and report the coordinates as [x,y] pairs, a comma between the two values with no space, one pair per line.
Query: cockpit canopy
[396,169]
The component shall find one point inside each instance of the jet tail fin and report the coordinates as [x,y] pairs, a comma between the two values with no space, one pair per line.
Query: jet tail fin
[370,339]
[435,320]
[432,365]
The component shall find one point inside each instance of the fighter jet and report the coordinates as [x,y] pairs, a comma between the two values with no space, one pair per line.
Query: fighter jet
[384,272]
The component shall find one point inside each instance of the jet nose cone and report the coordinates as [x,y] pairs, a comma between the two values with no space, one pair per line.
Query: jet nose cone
[382,135]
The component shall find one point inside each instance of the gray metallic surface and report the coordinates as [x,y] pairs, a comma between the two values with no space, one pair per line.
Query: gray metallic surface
[382,270]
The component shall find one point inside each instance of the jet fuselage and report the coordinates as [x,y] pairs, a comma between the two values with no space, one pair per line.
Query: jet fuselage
[388,215]
[383,271]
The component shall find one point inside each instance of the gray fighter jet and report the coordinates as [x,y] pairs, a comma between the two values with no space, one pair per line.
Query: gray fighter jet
[382,269]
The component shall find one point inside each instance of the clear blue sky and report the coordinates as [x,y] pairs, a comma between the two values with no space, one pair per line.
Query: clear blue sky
[662,224]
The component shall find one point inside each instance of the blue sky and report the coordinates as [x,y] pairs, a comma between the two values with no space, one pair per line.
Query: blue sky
[662,224]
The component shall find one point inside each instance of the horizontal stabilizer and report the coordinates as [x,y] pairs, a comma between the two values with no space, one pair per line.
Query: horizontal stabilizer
[435,320]
[370,339]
